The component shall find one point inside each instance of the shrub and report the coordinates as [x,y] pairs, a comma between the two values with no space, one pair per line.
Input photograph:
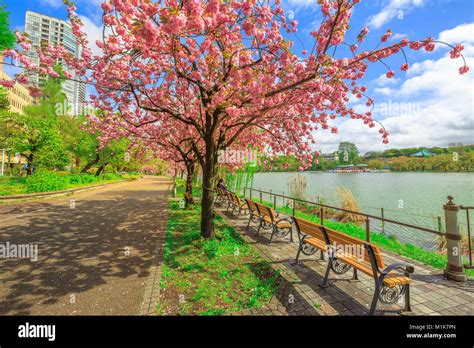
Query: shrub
[348,202]
[45,181]
[111,176]
[78,179]
[297,186]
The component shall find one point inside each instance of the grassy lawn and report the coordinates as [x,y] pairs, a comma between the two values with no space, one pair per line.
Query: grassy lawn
[12,186]
[52,181]
[210,276]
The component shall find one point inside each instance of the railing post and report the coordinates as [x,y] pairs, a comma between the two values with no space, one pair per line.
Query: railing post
[321,215]
[440,224]
[469,237]
[250,193]
[260,197]
[367,229]
[245,190]
[383,221]
[274,202]
[454,270]
[294,207]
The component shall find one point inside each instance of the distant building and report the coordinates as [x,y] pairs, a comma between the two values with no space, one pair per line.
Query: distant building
[44,30]
[18,96]
[330,156]
[423,153]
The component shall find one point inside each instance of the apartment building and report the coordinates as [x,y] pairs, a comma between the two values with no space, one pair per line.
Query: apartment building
[43,30]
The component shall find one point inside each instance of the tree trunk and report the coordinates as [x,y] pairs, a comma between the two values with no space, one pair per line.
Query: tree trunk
[188,195]
[29,169]
[90,164]
[101,169]
[207,199]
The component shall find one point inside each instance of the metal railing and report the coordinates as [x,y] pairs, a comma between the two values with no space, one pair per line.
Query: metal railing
[469,242]
[322,206]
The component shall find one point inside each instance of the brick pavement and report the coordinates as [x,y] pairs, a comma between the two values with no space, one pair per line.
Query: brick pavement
[299,292]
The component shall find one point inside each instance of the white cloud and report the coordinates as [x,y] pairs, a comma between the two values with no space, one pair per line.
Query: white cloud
[434,106]
[462,33]
[392,9]
[383,81]
[94,33]
[52,3]
[398,37]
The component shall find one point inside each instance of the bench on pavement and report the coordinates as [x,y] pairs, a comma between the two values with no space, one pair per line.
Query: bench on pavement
[236,203]
[221,195]
[270,219]
[254,215]
[345,252]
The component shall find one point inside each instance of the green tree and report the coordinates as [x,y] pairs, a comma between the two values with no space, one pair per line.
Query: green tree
[36,135]
[348,153]
[4,102]
[7,38]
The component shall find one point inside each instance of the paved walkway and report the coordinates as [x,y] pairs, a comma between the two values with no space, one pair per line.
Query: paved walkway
[299,293]
[93,259]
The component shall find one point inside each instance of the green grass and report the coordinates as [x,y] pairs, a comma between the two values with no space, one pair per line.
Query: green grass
[53,181]
[210,276]
[386,242]
[12,186]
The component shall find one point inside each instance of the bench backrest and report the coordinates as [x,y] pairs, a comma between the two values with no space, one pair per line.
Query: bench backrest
[266,211]
[354,246]
[252,205]
[341,241]
[309,228]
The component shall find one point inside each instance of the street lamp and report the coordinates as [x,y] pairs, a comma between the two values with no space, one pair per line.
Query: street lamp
[3,162]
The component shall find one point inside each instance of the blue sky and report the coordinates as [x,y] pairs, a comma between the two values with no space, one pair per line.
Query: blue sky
[431,105]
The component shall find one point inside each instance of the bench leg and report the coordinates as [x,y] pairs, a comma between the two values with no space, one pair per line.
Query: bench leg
[407,308]
[271,236]
[259,226]
[298,254]
[250,219]
[325,283]
[375,299]
[354,275]
[322,255]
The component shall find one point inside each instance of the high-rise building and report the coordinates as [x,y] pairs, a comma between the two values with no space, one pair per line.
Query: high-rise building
[43,30]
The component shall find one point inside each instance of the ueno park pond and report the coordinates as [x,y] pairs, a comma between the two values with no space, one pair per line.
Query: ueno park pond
[415,198]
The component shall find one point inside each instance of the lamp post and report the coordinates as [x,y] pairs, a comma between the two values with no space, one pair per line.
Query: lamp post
[3,163]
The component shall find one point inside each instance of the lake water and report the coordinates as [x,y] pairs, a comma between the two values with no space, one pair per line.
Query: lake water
[415,198]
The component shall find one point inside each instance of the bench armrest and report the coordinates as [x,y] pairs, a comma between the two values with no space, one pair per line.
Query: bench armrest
[289,220]
[403,266]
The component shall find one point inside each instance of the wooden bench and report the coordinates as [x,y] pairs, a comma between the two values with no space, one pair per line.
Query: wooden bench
[221,195]
[254,215]
[345,252]
[236,203]
[269,219]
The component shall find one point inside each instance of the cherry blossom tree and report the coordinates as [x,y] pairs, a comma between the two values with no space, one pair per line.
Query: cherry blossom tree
[225,71]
